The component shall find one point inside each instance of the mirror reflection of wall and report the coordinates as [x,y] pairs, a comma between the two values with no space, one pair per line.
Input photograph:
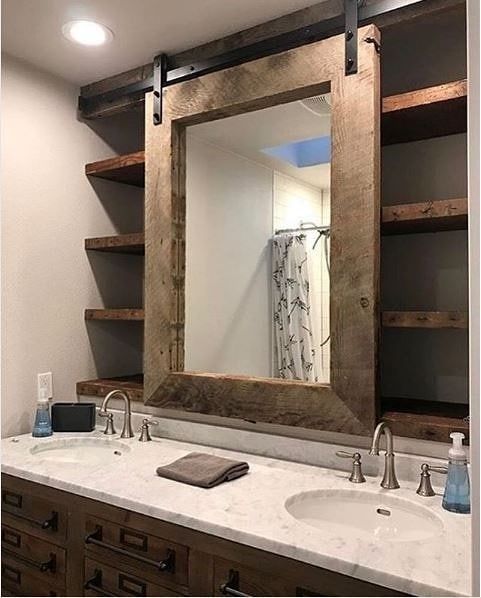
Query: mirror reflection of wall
[257,243]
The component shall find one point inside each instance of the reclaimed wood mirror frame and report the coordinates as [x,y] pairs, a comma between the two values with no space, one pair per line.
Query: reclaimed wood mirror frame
[349,403]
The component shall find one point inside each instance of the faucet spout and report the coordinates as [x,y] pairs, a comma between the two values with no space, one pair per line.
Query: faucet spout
[127,428]
[389,480]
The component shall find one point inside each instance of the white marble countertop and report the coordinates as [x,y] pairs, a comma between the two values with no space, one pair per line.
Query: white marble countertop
[250,510]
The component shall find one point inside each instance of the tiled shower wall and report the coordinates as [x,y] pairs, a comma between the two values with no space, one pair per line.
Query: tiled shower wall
[295,203]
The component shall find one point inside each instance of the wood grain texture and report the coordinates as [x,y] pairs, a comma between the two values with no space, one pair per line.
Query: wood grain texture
[427,216]
[132,385]
[424,319]
[283,24]
[127,314]
[210,557]
[350,404]
[128,169]
[130,243]
[425,113]
[428,420]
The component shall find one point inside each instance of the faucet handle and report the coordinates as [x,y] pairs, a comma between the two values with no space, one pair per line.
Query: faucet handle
[425,487]
[109,426]
[356,476]
[144,430]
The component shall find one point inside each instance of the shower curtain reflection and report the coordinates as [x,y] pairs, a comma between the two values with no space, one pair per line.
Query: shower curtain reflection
[295,354]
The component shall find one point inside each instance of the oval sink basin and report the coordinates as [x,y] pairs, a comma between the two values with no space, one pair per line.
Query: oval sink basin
[364,515]
[80,450]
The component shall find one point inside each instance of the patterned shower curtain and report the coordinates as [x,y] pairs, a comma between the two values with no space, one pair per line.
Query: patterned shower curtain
[294,346]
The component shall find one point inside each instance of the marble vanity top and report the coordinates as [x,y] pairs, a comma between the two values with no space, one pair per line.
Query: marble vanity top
[251,510]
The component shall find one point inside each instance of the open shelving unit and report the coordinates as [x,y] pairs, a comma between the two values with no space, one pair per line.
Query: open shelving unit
[133,243]
[431,420]
[128,169]
[415,115]
[124,314]
[424,319]
[425,113]
[425,217]
[132,385]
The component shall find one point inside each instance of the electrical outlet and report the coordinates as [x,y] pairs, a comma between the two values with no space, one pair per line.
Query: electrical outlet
[45,381]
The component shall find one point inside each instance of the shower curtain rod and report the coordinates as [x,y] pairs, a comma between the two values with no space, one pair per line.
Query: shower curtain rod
[321,229]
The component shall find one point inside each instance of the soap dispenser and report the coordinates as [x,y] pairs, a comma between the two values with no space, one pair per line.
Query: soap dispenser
[457,493]
[43,424]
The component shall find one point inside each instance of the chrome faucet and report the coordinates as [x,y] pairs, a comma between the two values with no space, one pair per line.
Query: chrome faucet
[389,480]
[127,429]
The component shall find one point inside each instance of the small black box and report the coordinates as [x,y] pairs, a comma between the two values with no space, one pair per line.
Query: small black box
[73,417]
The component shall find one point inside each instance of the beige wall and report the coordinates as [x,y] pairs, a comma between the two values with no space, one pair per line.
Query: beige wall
[48,208]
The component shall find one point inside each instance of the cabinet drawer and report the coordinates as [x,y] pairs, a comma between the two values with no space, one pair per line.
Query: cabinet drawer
[19,579]
[101,580]
[38,516]
[229,575]
[159,560]
[43,559]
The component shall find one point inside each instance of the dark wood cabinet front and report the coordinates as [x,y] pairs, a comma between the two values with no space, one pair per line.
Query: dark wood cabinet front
[94,549]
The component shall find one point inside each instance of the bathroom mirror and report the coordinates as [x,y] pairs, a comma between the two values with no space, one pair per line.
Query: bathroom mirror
[257,243]
[227,169]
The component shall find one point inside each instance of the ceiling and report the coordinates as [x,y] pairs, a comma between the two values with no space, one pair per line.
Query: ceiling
[248,134]
[31,30]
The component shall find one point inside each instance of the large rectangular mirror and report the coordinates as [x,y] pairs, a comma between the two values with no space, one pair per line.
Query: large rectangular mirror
[257,243]
[262,241]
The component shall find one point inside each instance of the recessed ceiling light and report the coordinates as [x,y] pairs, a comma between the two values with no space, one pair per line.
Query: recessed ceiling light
[87,33]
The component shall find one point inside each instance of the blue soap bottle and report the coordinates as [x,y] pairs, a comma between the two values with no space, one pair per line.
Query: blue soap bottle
[43,424]
[457,492]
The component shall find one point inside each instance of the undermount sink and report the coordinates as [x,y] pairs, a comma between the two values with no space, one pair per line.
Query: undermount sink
[80,450]
[365,515]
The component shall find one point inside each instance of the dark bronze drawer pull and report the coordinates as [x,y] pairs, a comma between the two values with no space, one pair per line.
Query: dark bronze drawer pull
[165,566]
[231,586]
[50,523]
[43,567]
[95,584]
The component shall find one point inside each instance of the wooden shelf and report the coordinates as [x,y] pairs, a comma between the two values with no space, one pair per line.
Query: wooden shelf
[428,420]
[121,169]
[428,216]
[424,319]
[125,314]
[132,243]
[425,113]
[132,385]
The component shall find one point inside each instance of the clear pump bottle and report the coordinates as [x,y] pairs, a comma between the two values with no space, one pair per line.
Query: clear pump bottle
[43,424]
[457,492]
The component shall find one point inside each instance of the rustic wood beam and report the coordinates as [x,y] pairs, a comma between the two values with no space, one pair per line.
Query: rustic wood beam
[285,24]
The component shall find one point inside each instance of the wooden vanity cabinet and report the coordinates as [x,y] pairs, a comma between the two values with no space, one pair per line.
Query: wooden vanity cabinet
[59,544]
